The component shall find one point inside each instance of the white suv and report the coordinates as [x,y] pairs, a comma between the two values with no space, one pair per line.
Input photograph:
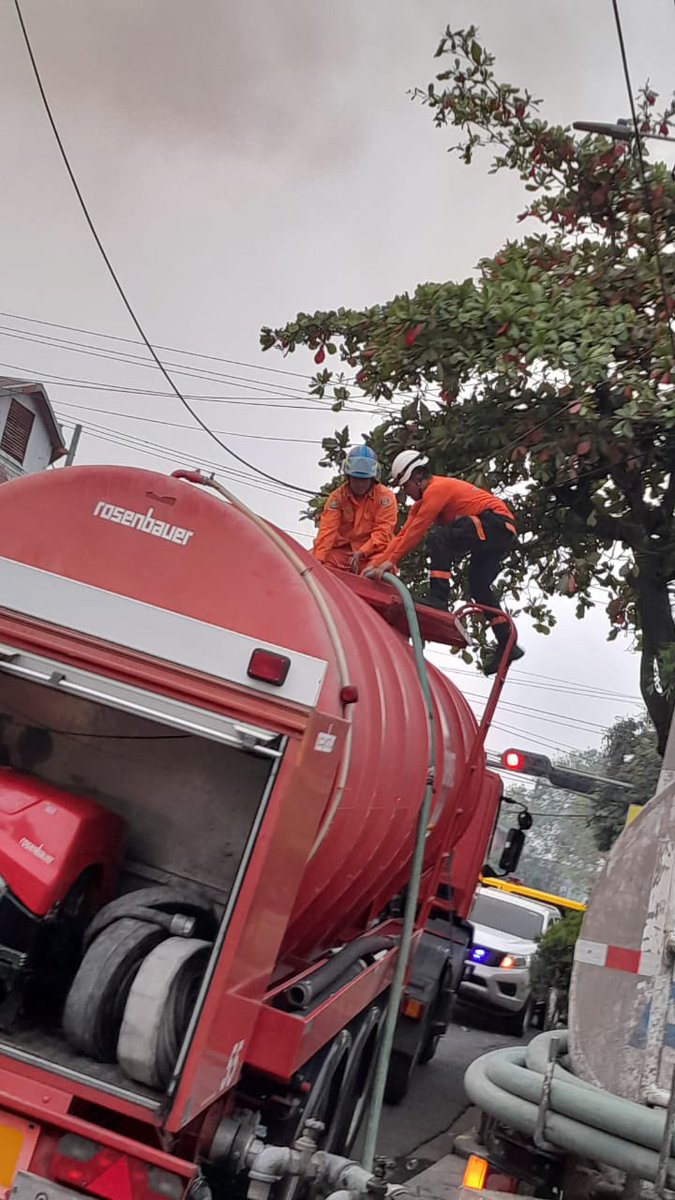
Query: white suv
[506,929]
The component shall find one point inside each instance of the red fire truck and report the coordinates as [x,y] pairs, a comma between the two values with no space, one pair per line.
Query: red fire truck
[213,755]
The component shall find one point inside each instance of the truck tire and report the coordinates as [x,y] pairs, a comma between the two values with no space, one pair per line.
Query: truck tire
[429,1049]
[436,1020]
[403,1061]
[158,1009]
[356,1085]
[401,1067]
[166,899]
[317,1087]
[95,1003]
[517,1024]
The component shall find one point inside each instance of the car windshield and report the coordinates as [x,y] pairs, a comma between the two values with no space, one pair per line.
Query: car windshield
[507,918]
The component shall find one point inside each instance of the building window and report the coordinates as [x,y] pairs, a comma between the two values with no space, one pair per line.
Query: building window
[15,435]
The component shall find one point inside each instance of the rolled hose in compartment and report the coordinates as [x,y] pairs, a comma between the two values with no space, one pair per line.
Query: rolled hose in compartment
[581,1119]
[303,992]
[184,900]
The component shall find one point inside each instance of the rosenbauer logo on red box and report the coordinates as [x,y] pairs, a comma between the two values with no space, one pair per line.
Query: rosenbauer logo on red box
[145,522]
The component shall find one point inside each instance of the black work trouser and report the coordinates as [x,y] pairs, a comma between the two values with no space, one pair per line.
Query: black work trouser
[488,539]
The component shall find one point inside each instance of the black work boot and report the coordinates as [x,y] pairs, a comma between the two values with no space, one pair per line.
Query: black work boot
[501,632]
[438,595]
[492,665]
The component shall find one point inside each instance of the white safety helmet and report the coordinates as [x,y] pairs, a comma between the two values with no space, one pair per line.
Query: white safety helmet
[404,464]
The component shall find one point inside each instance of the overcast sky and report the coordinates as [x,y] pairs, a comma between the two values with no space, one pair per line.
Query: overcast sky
[244,159]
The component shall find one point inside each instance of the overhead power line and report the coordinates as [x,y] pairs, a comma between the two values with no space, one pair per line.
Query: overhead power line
[258,437]
[573,683]
[71,381]
[113,275]
[235,362]
[580,690]
[538,739]
[206,374]
[143,445]
[560,720]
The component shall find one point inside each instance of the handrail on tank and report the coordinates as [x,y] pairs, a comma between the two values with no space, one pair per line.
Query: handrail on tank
[478,744]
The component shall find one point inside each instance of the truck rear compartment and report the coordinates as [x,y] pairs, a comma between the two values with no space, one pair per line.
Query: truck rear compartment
[188,803]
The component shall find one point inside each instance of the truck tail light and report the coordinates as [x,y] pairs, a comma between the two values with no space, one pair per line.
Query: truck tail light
[268,667]
[413,1009]
[478,1174]
[475,1173]
[109,1175]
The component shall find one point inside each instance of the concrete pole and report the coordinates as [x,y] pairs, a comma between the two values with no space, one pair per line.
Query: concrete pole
[667,774]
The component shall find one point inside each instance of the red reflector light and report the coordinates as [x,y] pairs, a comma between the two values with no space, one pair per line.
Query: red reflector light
[349,694]
[109,1175]
[269,667]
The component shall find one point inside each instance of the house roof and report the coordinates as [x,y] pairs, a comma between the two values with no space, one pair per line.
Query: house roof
[38,393]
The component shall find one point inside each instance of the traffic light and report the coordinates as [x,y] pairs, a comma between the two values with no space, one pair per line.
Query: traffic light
[573,781]
[526,763]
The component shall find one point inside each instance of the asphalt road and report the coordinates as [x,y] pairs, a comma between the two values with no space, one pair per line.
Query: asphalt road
[436,1098]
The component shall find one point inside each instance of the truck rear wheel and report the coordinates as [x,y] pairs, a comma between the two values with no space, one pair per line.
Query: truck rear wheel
[356,1085]
[401,1067]
[321,1104]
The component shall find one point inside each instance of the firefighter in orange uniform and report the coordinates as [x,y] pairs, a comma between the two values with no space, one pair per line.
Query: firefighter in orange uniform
[467,520]
[359,517]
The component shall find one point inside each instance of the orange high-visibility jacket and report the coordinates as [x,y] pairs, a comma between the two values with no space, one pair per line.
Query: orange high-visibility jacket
[444,500]
[350,522]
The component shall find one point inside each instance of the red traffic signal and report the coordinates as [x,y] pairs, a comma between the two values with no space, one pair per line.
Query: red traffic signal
[513,759]
[526,763]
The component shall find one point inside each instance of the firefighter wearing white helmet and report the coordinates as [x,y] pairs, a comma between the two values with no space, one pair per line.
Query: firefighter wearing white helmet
[467,521]
[404,464]
[359,517]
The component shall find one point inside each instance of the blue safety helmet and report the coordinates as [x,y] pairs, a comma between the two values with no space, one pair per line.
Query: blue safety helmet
[361,463]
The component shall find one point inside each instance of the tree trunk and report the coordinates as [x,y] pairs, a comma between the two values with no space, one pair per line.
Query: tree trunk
[658,634]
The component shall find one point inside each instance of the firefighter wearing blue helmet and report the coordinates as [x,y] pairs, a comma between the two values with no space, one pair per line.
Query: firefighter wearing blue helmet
[359,517]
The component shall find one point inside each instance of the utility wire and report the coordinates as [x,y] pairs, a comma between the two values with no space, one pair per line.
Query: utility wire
[235,362]
[130,441]
[578,690]
[538,739]
[253,402]
[560,720]
[258,437]
[113,275]
[643,171]
[208,374]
